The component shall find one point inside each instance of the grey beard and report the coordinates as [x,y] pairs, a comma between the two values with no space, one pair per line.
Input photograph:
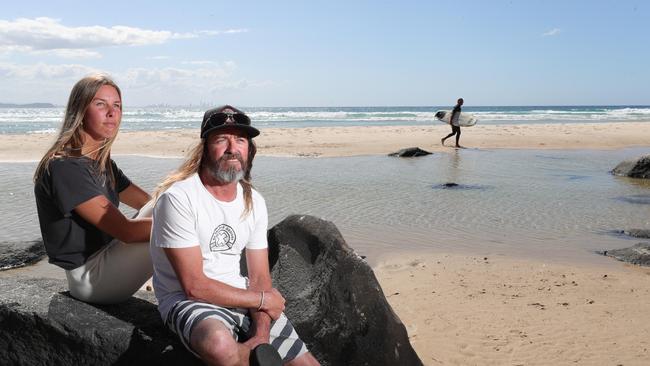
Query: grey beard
[228,175]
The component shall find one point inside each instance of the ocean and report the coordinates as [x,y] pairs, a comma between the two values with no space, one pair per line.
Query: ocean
[48,120]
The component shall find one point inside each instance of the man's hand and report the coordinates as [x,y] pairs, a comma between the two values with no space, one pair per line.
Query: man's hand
[273,303]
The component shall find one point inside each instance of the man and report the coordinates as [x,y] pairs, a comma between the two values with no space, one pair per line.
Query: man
[453,121]
[205,215]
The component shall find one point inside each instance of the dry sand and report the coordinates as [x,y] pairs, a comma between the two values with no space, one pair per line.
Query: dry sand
[350,141]
[463,310]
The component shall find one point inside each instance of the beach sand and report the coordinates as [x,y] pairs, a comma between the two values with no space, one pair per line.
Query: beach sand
[495,310]
[462,309]
[369,140]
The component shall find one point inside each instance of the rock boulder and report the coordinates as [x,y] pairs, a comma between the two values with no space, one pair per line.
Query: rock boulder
[637,254]
[634,168]
[410,152]
[333,297]
[18,254]
[40,324]
[637,233]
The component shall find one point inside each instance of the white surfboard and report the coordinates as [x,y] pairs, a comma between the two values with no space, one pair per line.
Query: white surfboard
[464,120]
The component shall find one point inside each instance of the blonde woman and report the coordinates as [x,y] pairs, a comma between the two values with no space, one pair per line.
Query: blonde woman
[78,189]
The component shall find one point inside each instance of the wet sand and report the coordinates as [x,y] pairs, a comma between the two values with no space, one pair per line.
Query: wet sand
[370,140]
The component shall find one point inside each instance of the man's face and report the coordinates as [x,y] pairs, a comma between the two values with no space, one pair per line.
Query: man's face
[227,154]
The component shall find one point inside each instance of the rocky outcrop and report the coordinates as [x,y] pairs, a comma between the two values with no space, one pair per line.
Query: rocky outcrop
[18,254]
[634,168]
[410,152]
[333,297]
[333,300]
[637,254]
[637,233]
[40,324]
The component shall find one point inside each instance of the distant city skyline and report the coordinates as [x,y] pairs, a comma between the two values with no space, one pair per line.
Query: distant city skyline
[335,53]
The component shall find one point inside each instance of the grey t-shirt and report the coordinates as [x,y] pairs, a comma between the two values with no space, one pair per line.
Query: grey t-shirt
[69,181]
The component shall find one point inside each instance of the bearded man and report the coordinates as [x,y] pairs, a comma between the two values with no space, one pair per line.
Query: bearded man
[206,214]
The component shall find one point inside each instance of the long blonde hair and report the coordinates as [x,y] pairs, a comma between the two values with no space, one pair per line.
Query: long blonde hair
[193,165]
[70,139]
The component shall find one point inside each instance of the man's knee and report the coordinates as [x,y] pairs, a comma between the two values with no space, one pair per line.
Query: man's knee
[214,343]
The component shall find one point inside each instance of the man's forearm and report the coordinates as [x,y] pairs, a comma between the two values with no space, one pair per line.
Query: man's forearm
[261,320]
[261,324]
[219,293]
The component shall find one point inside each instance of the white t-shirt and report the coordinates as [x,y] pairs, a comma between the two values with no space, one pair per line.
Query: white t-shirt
[187,215]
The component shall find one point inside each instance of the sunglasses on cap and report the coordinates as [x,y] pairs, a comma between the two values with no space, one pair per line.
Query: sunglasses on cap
[221,118]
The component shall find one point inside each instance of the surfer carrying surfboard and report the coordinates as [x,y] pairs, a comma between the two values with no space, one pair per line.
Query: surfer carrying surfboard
[453,122]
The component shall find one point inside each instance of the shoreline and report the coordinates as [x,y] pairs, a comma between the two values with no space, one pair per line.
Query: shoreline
[368,140]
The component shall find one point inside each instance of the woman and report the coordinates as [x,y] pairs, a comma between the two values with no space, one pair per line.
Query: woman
[78,189]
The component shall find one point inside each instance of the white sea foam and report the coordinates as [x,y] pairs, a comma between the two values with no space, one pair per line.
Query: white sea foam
[34,120]
[43,132]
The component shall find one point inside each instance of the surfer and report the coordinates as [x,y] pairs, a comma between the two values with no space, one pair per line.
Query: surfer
[455,128]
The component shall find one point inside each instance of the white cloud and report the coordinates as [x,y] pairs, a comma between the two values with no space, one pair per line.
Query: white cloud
[69,53]
[208,76]
[44,72]
[44,34]
[552,32]
[48,34]
[192,84]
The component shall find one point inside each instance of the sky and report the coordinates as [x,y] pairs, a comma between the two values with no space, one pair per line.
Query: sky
[330,53]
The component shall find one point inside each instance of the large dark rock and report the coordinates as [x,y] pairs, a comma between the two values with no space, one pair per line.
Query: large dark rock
[637,254]
[18,254]
[634,168]
[333,297]
[410,152]
[40,324]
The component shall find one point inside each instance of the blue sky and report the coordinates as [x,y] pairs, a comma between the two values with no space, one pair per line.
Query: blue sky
[330,53]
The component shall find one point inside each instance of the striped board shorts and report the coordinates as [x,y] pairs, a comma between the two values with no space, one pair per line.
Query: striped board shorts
[186,314]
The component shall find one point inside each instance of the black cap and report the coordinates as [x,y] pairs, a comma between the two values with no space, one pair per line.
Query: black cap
[226,117]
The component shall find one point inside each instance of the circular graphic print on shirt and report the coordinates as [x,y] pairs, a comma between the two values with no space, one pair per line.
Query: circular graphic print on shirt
[222,239]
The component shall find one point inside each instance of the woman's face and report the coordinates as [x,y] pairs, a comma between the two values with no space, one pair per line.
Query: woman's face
[103,116]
